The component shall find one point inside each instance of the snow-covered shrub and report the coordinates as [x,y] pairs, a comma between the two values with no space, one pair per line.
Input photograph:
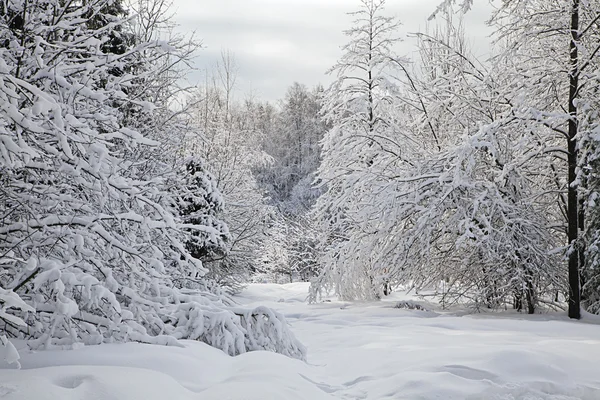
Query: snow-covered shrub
[410,305]
[266,330]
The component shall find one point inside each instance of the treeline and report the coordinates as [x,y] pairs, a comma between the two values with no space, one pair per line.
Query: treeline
[264,157]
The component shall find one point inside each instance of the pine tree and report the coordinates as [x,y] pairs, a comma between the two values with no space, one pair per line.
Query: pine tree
[200,204]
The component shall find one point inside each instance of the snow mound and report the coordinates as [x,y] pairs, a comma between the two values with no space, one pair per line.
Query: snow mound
[89,382]
[133,371]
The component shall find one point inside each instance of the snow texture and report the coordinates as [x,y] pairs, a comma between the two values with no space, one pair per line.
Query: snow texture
[357,351]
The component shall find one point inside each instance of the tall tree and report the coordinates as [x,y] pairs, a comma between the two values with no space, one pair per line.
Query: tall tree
[556,76]
[365,140]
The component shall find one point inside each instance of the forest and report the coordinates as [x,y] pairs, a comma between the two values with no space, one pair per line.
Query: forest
[137,208]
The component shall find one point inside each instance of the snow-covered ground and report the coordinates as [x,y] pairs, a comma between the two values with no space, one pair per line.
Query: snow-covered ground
[356,351]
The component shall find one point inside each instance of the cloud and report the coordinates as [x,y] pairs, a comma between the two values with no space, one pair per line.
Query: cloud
[277,42]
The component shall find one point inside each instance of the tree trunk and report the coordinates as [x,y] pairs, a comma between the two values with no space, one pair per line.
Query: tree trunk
[530,294]
[518,301]
[572,214]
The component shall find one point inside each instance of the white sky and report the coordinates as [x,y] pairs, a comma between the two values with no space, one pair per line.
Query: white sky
[278,42]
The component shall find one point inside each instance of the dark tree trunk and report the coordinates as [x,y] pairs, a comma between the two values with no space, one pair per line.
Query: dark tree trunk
[581,224]
[572,213]
[518,301]
[387,288]
[530,294]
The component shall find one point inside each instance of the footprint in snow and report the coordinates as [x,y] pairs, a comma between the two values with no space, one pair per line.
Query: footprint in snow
[465,372]
[72,382]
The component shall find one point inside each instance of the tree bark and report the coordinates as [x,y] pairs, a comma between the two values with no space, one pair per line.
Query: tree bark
[530,294]
[572,198]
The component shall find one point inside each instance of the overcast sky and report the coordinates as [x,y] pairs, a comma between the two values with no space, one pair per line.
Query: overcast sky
[277,42]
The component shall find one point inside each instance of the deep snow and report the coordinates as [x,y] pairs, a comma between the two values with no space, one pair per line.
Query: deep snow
[356,351]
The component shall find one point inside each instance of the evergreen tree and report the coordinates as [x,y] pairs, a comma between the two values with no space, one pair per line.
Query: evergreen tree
[200,204]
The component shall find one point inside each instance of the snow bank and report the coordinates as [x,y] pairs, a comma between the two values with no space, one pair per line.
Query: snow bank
[134,371]
[88,382]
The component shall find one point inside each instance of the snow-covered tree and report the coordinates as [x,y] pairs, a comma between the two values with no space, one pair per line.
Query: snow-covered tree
[591,271]
[551,51]
[229,142]
[464,204]
[293,145]
[479,160]
[90,244]
[589,172]
[366,139]
[291,251]
[291,140]
[200,203]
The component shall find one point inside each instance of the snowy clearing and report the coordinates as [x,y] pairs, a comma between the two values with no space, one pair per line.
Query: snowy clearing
[356,351]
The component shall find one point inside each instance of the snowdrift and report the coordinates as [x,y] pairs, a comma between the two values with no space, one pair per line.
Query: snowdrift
[133,371]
